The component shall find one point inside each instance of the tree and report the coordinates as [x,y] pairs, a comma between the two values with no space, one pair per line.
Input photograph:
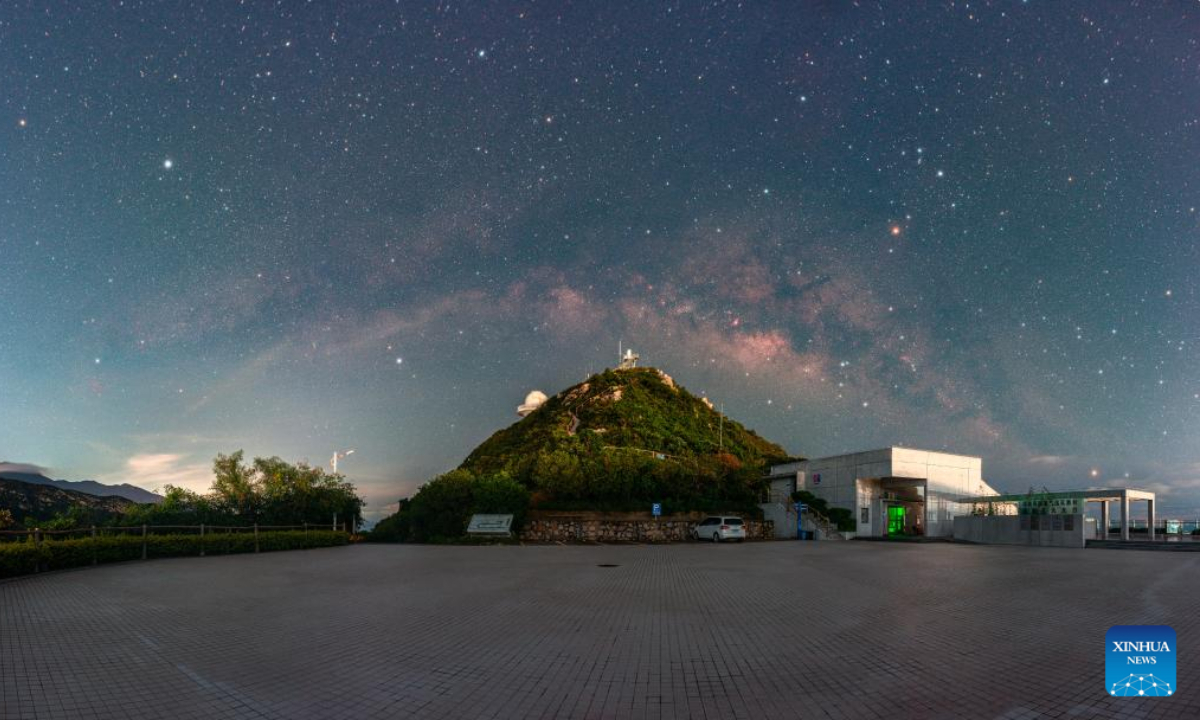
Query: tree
[233,485]
[441,508]
[268,491]
[500,494]
[395,527]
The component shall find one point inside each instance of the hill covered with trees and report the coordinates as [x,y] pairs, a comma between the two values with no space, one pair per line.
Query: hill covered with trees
[634,410]
[618,441]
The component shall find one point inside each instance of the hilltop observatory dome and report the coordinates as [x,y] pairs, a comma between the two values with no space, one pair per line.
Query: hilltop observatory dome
[532,402]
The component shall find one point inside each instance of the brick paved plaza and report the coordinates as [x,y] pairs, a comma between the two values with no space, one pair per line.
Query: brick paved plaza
[804,630]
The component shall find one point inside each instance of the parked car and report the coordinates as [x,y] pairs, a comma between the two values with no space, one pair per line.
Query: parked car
[720,528]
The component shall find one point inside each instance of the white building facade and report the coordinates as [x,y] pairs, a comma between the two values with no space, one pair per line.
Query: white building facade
[895,491]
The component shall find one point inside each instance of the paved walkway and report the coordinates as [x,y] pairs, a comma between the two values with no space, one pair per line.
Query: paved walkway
[774,630]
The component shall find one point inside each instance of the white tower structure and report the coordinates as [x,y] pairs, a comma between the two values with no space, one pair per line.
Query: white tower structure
[629,360]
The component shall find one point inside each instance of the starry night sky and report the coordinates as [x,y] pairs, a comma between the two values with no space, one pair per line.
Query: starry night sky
[297,229]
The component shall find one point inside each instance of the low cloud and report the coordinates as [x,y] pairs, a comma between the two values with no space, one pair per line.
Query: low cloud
[1049,460]
[12,467]
[154,471]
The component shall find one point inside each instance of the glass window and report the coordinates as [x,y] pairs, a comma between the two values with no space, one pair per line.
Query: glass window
[864,516]
[733,521]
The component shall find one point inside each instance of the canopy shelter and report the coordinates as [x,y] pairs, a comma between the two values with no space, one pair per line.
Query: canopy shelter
[1039,502]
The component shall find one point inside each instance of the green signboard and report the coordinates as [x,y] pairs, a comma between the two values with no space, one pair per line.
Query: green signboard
[1047,503]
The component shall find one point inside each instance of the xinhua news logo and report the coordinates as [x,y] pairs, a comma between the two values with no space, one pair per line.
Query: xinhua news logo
[1139,661]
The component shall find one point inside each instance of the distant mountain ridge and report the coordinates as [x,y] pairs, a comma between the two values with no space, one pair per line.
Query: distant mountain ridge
[90,487]
[30,503]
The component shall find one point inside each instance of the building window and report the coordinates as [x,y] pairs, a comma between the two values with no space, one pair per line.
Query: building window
[864,516]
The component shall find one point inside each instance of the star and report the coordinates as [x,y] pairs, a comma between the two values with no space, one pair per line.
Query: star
[168,164]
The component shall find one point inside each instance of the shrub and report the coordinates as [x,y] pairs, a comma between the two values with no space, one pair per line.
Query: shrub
[814,502]
[23,557]
[443,506]
[500,494]
[393,528]
[843,518]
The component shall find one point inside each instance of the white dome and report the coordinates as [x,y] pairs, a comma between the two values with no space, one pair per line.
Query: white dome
[532,402]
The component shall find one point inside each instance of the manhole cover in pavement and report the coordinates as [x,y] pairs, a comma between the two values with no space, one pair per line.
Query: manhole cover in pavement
[607,565]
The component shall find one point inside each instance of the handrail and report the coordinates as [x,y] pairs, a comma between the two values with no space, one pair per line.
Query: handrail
[827,526]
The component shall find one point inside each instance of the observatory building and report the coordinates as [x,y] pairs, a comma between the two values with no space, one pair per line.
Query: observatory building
[533,401]
[896,491]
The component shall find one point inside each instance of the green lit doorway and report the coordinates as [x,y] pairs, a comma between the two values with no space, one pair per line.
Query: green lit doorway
[895,520]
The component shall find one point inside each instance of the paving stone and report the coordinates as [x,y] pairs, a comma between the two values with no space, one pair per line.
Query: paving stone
[758,630]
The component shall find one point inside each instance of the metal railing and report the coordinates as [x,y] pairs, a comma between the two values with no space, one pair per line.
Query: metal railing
[822,523]
[825,525]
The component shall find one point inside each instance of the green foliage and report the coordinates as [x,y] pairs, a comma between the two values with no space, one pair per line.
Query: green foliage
[443,506]
[6,518]
[814,502]
[500,495]
[393,528]
[625,439]
[841,517]
[622,409]
[268,491]
[30,505]
[75,517]
[23,557]
[617,442]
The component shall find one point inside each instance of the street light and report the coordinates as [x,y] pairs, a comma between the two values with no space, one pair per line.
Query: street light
[333,461]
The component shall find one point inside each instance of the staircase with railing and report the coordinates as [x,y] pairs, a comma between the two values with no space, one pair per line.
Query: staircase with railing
[824,525]
[812,521]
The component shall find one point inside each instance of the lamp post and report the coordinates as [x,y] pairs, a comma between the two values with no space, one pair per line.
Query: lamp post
[333,461]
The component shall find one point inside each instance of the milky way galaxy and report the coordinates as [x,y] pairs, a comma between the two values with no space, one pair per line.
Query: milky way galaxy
[304,228]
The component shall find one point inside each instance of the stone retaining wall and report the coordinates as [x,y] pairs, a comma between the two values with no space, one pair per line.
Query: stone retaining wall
[623,527]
